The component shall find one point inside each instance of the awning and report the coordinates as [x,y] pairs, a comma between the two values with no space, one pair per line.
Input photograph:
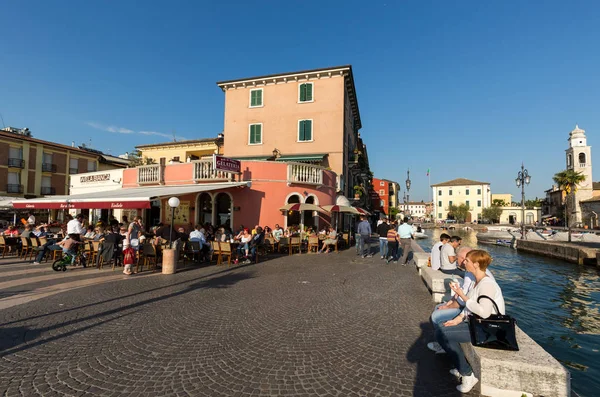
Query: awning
[135,198]
[303,158]
[6,202]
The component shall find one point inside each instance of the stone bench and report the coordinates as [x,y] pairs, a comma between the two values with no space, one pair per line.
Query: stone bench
[438,283]
[531,370]
[420,260]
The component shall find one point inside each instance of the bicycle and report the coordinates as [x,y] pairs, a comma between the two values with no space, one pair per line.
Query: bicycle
[61,264]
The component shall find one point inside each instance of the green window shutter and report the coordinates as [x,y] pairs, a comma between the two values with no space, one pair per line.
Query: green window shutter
[256,98]
[302,92]
[301,130]
[255,134]
[309,95]
[252,99]
[308,130]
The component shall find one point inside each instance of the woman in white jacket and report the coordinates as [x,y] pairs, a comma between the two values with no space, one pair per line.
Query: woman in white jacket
[456,331]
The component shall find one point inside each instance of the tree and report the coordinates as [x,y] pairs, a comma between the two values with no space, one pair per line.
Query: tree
[567,181]
[393,212]
[530,204]
[499,203]
[459,212]
[492,213]
[137,159]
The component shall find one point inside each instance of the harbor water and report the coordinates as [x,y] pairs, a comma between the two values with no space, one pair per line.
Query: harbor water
[555,302]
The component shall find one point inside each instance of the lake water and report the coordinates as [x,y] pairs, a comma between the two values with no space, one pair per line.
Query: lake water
[556,303]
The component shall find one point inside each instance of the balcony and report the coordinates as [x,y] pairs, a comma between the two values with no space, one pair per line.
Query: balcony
[204,171]
[48,191]
[47,167]
[16,163]
[14,188]
[151,174]
[304,174]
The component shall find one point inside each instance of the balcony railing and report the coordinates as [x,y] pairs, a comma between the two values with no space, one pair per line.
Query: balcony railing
[73,170]
[47,167]
[48,191]
[16,163]
[14,188]
[204,171]
[305,174]
[148,174]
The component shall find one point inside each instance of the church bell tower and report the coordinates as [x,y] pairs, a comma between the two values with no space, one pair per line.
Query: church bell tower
[579,159]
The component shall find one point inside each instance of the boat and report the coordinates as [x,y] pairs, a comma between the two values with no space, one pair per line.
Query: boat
[418,232]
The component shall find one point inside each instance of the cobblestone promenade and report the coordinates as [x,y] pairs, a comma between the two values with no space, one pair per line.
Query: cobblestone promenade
[306,325]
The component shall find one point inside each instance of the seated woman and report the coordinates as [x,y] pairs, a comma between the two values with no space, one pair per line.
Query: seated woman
[244,249]
[456,331]
[331,240]
[90,233]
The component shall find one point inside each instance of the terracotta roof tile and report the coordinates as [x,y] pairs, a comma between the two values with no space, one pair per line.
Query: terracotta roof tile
[460,182]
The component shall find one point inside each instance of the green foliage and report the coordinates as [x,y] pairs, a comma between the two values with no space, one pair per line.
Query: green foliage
[529,204]
[459,212]
[137,159]
[499,203]
[568,180]
[492,213]
[393,212]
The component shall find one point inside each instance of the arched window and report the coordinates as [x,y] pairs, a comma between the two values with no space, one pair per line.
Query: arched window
[569,160]
[582,159]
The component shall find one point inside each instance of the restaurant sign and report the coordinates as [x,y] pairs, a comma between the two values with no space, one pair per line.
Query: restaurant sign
[226,164]
[95,178]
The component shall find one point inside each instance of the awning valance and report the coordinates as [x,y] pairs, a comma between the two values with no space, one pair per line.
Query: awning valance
[135,198]
[306,158]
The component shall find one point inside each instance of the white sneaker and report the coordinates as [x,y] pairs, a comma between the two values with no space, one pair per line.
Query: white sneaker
[36,263]
[467,383]
[434,346]
[455,372]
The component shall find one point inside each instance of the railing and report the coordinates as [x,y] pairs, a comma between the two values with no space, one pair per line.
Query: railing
[48,191]
[16,163]
[14,188]
[73,170]
[47,167]
[581,165]
[204,171]
[151,174]
[305,174]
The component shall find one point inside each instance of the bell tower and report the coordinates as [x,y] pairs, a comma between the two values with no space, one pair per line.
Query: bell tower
[579,159]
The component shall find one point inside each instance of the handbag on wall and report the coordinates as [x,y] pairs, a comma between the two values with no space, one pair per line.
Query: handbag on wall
[495,332]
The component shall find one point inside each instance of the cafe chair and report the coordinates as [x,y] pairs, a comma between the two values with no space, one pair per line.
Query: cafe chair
[25,248]
[295,242]
[147,258]
[225,251]
[215,251]
[5,248]
[313,242]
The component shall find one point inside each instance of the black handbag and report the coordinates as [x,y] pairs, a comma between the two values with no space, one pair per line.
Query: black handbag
[495,332]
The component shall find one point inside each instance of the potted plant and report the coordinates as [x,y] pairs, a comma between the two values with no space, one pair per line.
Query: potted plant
[358,191]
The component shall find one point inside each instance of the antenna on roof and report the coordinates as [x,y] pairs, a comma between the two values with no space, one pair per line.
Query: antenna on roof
[174,137]
[2,118]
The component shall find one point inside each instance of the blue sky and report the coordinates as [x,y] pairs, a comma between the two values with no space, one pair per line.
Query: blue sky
[469,89]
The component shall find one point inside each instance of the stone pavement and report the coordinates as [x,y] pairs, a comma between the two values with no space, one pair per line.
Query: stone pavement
[306,325]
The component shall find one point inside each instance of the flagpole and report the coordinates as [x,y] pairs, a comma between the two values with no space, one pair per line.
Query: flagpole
[429,187]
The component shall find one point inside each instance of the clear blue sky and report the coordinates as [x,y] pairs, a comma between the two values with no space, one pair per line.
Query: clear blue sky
[469,89]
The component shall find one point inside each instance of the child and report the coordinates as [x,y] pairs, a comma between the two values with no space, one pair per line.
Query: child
[69,247]
[128,257]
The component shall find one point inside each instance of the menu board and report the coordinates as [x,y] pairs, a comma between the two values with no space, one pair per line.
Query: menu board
[182,213]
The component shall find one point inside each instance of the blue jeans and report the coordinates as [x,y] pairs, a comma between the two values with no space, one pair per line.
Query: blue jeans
[439,317]
[383,247]
[364,241]
[358,242]
[450,339]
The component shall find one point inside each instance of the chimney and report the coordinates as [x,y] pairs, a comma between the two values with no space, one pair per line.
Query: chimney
[72,143]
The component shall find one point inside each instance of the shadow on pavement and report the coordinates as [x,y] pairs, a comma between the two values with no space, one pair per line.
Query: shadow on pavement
[10,337]
[432,378]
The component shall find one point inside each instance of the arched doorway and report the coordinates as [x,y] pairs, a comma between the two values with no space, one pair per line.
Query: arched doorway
[309,219]
[204,209]
[469,217]
[293,217]
[224,209]
[529,218]
[512,218]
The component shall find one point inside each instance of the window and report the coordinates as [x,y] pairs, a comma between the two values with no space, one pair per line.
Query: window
[256,98]
[467,192]
[176,158]
[15,153]
[478,191]
[305,92]
[73,166]
[440,192]
[91,166]
[450,192]
[382,183]
[582,159]
[439,203]
[255,134]
[14,178]
[305,130]
[569,161]
[381,192]
[46,181]
[440,215]
[381,203]
[467,202]
[449,203]
[479,203]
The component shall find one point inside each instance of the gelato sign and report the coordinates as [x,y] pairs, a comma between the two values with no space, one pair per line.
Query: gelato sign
[94,178]
[225,164]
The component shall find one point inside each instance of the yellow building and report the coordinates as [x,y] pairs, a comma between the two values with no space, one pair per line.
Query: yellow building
[461,191]
[182,151]
[503,197]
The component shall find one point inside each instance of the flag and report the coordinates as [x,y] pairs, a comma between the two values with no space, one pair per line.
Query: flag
[427,171]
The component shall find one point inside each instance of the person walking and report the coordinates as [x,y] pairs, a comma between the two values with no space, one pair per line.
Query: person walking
[364,230]
[392,243]
[406,234]
[382,230]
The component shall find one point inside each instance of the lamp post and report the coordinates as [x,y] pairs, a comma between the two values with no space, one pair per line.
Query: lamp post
[522,179]
[407,191]
[173,203]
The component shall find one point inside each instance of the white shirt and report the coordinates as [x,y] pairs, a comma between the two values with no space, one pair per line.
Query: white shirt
[469,283]
[405,230]
[75,227]
[487,286]
[195,235]
[436,256]
[447,251]
[31,220]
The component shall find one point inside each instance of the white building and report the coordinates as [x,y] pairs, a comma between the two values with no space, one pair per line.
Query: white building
[579,159]
[416,209]
[477,195]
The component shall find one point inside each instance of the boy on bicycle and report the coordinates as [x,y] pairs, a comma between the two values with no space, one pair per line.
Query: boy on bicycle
[69,247]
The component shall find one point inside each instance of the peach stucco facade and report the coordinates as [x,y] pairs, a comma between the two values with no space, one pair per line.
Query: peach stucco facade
[270,189]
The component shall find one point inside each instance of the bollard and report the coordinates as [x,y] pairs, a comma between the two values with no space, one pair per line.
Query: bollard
[169,264]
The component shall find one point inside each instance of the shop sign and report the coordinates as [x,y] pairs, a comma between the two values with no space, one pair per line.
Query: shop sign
[221,163]
[94,178]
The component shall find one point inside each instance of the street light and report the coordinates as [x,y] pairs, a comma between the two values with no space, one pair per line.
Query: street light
[173,203]
[522,179]
[407,192]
